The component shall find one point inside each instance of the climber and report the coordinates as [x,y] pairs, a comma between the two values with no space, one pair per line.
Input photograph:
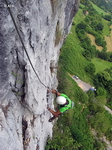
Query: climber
[64,104]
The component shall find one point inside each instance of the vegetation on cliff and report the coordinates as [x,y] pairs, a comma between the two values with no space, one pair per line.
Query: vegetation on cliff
[84,126]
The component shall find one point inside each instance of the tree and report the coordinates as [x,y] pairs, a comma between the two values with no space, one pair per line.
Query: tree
[87,19]
[63,140]
[109,70]
[90,95]
[110,59]
[90,68]
[103,55]
[93,23]
[101,92]
[88,41]
[99,26]
[104,44]
[101,123]
[98,40]
[105,75]
[108,17]
[104,49]
[85,2]
[101,100]
[87,55]
[84,45]
[101,79]
[92,50]
[109,90]
[81,25]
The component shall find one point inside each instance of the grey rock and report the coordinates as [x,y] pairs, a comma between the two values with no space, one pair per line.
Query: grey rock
[43,26]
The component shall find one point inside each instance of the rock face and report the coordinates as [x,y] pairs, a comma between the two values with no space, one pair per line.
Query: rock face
[43,26]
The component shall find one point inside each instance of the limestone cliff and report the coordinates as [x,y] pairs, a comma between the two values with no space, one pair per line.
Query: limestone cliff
[43,26]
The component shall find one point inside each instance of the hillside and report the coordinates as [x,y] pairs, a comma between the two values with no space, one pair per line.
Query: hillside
[106,5]
[88,125]
[107,30]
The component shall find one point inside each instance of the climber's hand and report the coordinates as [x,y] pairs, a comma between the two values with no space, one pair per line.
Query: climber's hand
[48,108]
[52,91]
[48,90]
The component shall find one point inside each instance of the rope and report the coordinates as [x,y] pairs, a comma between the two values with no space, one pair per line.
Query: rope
[24,45]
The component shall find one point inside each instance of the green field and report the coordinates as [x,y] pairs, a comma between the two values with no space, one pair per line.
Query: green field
[81,5]
[106,27]
[79,17]
[99,10]
[100,64]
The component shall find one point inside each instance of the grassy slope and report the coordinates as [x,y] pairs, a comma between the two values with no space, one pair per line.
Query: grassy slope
[72,50]
[108,39]
[100,11]
[106,27]
[71,61]
[76,62]
[79,17]
[100,64]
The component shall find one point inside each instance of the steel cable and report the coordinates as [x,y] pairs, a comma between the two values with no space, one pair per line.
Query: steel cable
[24,45]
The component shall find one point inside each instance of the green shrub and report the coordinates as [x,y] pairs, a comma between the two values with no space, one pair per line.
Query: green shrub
[73,23]
[81,25]
[107,17]
[99,26]
[62,139]
[87,55]
[103,55]
[90,68]
[101,92]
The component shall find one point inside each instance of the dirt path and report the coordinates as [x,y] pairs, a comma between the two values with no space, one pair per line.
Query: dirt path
[85,87]
[108,109]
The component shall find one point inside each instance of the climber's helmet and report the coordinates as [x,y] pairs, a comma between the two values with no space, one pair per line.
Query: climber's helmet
[61,100]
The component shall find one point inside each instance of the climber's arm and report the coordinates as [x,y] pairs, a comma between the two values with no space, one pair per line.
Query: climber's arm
[54,92]
[56,114]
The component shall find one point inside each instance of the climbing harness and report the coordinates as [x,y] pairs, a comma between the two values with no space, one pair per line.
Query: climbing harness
[24,45]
